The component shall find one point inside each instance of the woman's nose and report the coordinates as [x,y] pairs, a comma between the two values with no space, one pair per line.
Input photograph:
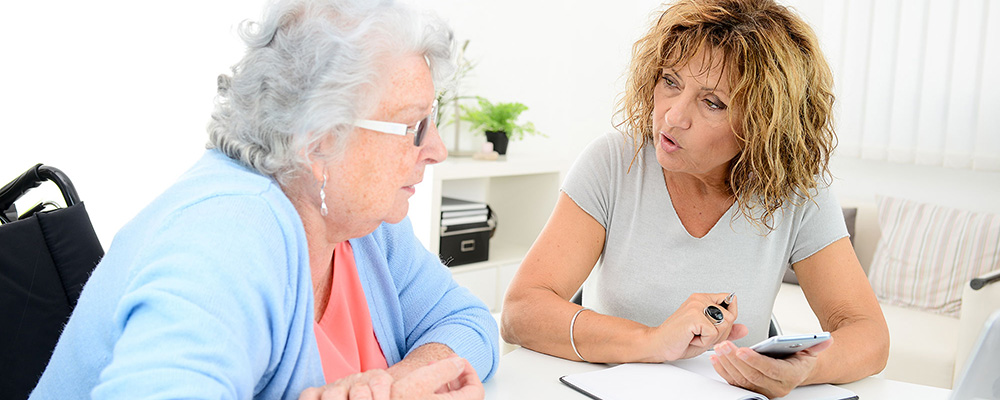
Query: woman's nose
[678,116]
[432,149]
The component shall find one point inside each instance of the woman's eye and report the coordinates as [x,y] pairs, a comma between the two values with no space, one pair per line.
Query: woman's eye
[715,105]
[669,81]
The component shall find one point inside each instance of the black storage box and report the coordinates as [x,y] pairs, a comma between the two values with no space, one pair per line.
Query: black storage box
[464,246]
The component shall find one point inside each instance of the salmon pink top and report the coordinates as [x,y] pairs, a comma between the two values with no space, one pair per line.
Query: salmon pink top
[345,336]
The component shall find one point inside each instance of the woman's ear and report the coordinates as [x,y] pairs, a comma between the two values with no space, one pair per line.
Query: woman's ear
[328,150]
[318,169]
[318,157]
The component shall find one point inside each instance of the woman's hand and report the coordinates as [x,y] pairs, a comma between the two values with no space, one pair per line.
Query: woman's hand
[449,379]
[372,384]
[765,375]
[688,332]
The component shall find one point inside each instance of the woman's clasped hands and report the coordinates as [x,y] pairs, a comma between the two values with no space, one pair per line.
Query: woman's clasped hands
[450,379]
[689,331]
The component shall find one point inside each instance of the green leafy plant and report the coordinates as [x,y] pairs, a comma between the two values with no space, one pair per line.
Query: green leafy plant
[499,117]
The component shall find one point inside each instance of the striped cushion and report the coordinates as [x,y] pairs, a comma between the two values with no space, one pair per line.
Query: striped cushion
[927,252]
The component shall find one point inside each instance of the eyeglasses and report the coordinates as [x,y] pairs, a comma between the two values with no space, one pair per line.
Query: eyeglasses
[393,128]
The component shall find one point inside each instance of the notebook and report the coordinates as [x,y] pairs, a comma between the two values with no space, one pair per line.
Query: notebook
[452,204]
[684,379]
[981,377]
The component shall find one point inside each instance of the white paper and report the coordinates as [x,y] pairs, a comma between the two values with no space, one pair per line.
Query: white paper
[687,379]
[646,381]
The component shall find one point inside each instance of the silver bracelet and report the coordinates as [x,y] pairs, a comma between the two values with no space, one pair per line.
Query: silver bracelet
[572,323]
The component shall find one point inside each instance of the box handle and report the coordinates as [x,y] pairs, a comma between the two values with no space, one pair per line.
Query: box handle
[468,245]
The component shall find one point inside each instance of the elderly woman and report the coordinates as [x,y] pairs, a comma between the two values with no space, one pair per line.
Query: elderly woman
[282,259]
[728,108]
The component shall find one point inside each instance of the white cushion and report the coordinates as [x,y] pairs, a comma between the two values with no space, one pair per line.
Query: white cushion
[922,346]
[927,253]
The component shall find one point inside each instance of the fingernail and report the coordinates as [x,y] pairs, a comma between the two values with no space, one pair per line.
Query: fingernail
[721,348]
[714,359]
[743,354]
[457,362]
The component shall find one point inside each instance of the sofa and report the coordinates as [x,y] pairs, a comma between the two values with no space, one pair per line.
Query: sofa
[926,347]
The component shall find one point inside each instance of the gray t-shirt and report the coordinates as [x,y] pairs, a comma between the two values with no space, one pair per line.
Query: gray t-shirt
[651,264]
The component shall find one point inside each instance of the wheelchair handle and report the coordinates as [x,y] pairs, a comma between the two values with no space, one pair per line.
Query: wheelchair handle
[33,177]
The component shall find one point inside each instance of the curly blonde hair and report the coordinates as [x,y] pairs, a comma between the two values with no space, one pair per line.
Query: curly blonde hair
[782,97]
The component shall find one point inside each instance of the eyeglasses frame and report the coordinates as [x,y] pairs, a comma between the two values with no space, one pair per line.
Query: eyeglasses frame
[396,128]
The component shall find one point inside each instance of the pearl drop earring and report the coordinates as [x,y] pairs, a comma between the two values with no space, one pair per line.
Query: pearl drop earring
[322,198]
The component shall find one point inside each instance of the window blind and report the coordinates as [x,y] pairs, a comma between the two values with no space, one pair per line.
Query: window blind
[917,81]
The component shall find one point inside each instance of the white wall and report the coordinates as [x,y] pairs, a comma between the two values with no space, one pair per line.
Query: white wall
[115,93]
[562,58]
[118,93]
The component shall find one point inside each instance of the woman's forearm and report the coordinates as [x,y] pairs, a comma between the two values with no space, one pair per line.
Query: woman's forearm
[539,319]
[860,349]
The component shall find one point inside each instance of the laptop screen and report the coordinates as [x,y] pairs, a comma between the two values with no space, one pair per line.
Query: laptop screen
[981,378]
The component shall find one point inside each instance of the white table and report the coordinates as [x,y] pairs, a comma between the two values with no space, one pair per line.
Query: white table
[525,374]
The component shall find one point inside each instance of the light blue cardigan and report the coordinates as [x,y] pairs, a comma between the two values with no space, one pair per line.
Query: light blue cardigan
[207,293]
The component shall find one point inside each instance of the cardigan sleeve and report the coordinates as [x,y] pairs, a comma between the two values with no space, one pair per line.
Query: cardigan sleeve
[205,302]
[435,309]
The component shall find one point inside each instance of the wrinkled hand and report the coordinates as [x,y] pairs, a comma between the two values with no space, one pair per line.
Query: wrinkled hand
[449,379]
[373,384]
[688,332]
[762,374]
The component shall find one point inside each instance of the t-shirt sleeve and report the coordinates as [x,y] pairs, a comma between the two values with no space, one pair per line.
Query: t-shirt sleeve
[821,222]
[591,180]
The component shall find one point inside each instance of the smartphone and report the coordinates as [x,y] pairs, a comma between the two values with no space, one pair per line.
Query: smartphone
[786,345]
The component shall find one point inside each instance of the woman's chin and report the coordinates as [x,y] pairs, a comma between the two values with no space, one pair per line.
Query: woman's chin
[666,160]
[397,214]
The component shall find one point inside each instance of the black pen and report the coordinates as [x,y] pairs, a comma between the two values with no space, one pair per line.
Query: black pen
[725,302]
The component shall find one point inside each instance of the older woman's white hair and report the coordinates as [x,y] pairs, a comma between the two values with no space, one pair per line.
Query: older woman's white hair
[311,68]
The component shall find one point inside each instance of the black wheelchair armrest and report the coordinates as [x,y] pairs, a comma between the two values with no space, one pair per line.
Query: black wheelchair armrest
[980,282]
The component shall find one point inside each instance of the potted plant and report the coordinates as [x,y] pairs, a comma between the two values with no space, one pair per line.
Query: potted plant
[499,122]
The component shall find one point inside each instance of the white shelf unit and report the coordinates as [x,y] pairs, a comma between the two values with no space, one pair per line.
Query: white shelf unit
[522,192]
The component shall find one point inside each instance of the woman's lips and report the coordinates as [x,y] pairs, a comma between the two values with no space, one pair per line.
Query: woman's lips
[668,144]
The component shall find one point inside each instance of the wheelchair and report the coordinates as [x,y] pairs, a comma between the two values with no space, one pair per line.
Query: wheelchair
[47,253]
